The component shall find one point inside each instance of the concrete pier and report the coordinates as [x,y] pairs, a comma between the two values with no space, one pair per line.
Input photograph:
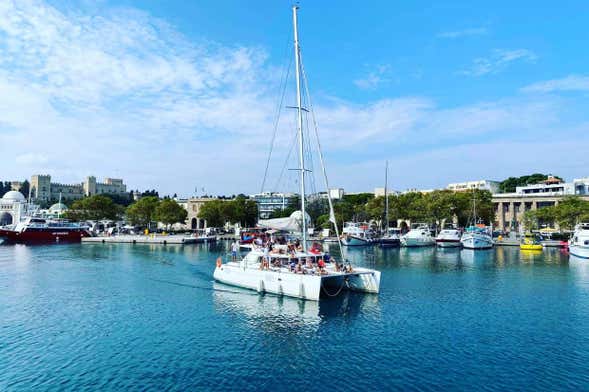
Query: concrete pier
[147,239]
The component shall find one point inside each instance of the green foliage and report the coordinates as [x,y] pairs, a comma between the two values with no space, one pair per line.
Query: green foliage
[239,210]
[508,185]
[24,188]
[96,207]
[168,212]
[569,211]
[142,212]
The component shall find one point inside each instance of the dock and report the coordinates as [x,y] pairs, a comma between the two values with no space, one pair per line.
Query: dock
[147,239]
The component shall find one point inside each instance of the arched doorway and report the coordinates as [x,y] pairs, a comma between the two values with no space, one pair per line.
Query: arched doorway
[193,223]
[5,218]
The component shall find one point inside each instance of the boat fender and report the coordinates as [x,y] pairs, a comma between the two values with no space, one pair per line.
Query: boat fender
[219,262]
[261,286]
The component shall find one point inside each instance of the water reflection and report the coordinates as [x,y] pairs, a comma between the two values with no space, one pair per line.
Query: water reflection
[277,314]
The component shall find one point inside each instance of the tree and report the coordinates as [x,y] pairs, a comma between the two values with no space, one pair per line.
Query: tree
[141,213]
[570,211]
[168,212]
[24,188]
[508,185]
[440,205]
[95,208]
[211,212]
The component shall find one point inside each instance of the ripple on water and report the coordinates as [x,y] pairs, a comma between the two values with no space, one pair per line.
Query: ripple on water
[111,317]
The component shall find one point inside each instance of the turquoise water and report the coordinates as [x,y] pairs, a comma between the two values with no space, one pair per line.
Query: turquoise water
[136,317]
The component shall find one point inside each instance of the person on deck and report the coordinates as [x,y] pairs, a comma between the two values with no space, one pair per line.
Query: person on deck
[234,250]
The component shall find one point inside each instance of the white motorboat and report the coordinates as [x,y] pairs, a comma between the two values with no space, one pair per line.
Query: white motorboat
[392,237]
[579,243]
[356,234]
[301,273]
[449,237]
[477,237]
[419,235]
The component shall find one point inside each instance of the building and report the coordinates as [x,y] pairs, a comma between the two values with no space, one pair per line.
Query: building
[269,202]
[510,207]
[379,192]
[336,193]
[193,206]
[14,207]
[43,189]
[488,185]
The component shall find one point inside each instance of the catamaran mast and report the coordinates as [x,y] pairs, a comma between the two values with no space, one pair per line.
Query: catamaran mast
[300,124]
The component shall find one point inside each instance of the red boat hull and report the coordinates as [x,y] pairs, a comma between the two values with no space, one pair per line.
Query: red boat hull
[44,235]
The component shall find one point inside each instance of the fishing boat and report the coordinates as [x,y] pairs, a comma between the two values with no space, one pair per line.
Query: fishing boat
[530,242]
[306,273]
[419,235]
[579,243]
[477,236]
[449,237]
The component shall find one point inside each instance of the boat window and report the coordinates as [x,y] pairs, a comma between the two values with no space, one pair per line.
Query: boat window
[587,242]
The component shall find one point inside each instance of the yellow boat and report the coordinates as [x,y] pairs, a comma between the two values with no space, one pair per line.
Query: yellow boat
[530,242]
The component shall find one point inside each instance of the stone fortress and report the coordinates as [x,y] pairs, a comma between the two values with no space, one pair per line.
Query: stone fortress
[42,189]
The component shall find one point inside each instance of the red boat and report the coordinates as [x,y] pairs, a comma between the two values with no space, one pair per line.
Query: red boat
[38,230]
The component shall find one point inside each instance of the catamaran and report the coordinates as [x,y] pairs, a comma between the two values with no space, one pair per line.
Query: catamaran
[301,272]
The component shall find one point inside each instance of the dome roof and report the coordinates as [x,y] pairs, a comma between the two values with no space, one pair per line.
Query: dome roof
[58,207]
[13,196]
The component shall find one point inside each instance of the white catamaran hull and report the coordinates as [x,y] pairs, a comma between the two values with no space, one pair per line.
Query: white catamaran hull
[298,285]
[476,241]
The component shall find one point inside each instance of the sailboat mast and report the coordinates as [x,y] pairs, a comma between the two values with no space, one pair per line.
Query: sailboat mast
[386,197]
[300,124]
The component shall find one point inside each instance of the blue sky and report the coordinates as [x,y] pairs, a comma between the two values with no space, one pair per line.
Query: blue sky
[173,95]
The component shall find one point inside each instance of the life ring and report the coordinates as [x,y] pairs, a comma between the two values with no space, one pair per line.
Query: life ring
[219,262]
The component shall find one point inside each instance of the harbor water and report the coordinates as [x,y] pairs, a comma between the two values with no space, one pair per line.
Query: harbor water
[149,317]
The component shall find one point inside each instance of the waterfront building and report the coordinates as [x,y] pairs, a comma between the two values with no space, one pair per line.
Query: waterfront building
[14,207]
[510,207]
[488,185]
[43,189]
[269,202]
[193,206]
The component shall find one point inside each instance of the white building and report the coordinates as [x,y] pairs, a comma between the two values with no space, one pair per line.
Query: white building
[269,202]
[488,185]
[555,187]
[14,207]
[379,192]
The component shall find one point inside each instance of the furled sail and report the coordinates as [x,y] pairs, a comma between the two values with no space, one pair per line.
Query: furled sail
[293,223]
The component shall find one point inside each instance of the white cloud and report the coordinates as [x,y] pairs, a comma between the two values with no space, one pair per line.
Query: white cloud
[123,94]
[463,33]
[375,78]
[569,83]
[498,60]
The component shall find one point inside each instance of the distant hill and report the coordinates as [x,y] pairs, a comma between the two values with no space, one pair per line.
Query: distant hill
[508,185]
